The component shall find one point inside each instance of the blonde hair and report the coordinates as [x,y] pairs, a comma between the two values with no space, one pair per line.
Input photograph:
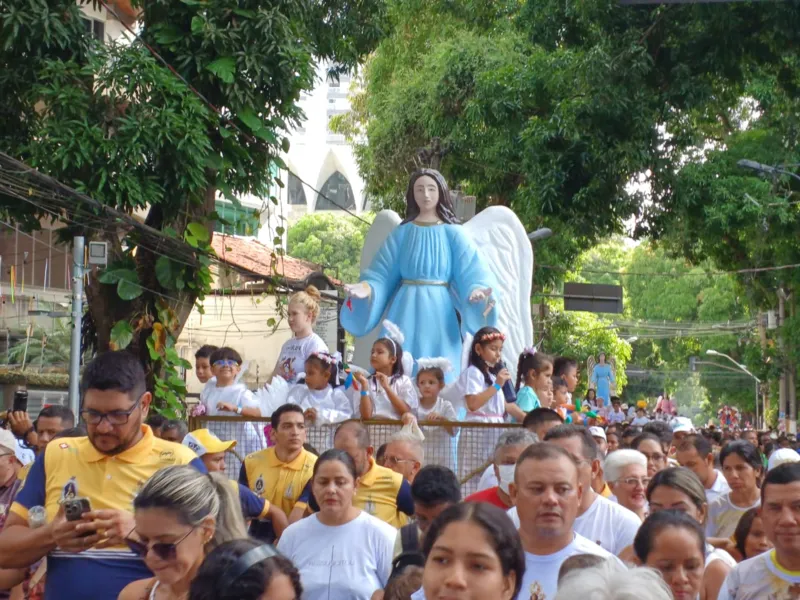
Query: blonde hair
[193,496]
[308,299]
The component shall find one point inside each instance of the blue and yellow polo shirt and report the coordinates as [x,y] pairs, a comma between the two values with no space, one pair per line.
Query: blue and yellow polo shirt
[72,467]
[283,484]
[384,494]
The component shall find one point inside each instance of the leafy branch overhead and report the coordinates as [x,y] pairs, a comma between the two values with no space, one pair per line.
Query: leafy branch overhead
[115,124]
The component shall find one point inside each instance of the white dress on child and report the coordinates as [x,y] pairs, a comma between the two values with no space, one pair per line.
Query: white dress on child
[332,404]
[476,445]
[382,407]
[248,435]
[438,444]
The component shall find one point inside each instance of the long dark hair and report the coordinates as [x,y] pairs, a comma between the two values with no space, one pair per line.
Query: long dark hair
[444,208]
[664,519]
[498,527]
[395,350]
[482,338]
[743,530]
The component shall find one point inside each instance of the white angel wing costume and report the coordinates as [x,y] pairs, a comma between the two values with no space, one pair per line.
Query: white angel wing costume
[502,240]
[385,222]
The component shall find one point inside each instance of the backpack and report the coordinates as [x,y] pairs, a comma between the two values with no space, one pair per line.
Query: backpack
[410,554]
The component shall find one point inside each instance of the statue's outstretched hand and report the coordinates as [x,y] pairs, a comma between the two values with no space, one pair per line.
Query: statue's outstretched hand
[358,290]
[480,294]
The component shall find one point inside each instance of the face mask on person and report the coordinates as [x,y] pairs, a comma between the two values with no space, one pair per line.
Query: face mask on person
[506,476]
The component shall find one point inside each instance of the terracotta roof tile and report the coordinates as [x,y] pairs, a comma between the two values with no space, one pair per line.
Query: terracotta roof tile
[251,255]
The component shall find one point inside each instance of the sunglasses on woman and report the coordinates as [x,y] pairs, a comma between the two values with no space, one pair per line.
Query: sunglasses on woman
[164,551]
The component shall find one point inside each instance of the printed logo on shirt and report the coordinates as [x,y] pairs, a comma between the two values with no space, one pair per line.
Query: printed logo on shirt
[369,507]
[63,445]
[259,485]
[167,456]
[289,493]
[537,593]
[70,490]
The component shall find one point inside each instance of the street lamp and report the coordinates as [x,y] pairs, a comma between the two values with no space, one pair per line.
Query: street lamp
[766,169]
[743,368]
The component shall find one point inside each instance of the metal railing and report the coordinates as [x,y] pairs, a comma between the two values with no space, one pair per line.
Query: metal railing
[466,448]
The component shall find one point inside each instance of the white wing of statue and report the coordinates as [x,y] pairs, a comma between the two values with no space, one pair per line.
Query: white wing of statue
[501,238]
[385,222]
[590,363]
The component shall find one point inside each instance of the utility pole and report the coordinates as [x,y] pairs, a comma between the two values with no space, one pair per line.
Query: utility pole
[784,413]
[77,318]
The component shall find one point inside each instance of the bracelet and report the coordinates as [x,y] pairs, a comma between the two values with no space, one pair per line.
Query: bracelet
[497,386]
[363,393]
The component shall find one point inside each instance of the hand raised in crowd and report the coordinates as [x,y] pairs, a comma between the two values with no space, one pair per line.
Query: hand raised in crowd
[311,414]
[502,377]
[383,380]
[407,418]
[110,527]
[20,423]
[362,381]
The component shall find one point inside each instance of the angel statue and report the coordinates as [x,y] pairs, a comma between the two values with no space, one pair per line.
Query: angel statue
[602,377]
[441,281]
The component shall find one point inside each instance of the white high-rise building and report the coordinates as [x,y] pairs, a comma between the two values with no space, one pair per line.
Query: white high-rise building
[320,158]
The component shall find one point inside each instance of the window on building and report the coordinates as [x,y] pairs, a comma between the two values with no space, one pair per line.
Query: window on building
[95,28]
[338,189]
[297,194]
[240,221]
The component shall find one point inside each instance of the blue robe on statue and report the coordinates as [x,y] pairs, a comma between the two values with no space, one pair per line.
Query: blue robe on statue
[424,274]
[602,376]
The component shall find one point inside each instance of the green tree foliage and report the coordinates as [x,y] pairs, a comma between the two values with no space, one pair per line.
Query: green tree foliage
[114,123]
[331,240]
[552,107]
[580,335]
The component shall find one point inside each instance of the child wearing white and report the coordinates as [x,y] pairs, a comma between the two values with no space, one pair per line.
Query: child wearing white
[322,401]
[432,407]
[482,390]
[388,393]
[223,395]
[302,314]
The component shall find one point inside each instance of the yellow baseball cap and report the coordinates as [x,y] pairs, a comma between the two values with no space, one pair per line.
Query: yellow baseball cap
[202,441]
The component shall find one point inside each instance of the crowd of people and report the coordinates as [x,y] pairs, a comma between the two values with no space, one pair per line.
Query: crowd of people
[574,501]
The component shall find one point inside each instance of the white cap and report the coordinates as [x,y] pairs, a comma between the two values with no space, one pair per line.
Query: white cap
[11,444]
[782,456]
[682,425]
[598,432]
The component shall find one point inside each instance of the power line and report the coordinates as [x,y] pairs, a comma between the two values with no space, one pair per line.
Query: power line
[219,113]
[674,275]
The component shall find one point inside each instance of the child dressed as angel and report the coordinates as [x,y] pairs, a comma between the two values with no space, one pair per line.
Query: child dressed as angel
[320,397]
[438,444]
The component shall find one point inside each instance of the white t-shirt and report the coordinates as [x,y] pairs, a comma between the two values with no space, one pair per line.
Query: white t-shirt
[438,442]
[250,434]
[713,554]
[760,578]
[472,382]
[382,406]
[332,405]
[349,561]
[640,421]
[610,525]
[723,516]
[720,487]
[294,352]
[615,417]
[541,572]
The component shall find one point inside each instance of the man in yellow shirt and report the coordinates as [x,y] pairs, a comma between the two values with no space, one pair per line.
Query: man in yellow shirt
[87,558]
[381,492]
[281,474]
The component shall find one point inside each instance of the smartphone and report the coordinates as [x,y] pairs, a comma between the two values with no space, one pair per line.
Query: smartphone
[20,401]
[74,508]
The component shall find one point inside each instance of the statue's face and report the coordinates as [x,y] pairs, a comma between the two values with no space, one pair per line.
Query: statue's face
[426,195]
[601,358]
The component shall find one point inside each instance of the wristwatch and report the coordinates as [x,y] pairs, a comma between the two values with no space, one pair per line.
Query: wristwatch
[238,410]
